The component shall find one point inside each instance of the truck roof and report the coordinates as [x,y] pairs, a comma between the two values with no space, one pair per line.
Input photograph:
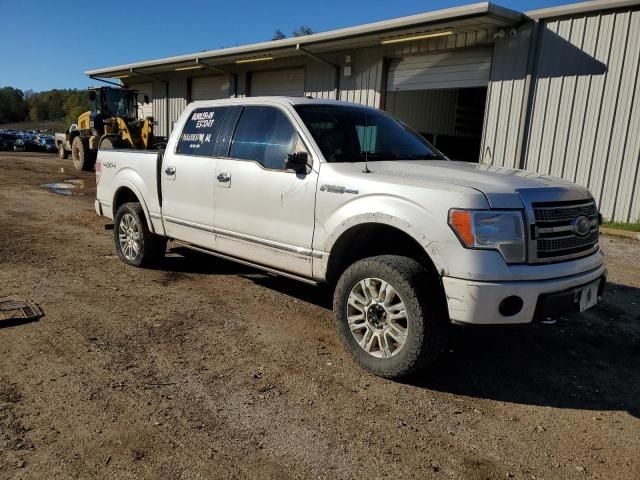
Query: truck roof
[275,99]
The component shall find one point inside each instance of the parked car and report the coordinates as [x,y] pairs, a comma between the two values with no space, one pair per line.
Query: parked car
[7,140]
[46,144]
[333,192]
[25,145]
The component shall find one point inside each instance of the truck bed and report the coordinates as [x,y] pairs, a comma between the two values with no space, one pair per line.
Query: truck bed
[122,172]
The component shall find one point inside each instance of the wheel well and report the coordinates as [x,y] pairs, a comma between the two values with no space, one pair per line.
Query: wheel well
[371,239]
[123,195]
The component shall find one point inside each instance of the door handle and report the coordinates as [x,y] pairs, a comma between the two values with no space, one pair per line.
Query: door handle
[224,177]
[170,170]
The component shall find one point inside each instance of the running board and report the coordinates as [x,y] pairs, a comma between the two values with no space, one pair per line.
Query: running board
[247,263]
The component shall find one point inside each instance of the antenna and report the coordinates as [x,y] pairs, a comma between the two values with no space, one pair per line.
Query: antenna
[366,122]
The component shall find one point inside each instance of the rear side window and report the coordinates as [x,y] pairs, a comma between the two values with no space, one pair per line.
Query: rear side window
[199,134]
[264,134]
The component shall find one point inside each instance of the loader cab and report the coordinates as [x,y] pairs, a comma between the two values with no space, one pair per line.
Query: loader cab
[108,102]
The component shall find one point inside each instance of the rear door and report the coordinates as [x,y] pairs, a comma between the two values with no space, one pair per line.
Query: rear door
[264,212]
[187,176]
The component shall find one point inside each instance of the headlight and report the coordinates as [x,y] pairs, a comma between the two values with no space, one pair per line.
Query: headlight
[501,230]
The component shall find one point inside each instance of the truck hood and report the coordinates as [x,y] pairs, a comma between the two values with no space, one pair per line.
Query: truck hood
[502,186]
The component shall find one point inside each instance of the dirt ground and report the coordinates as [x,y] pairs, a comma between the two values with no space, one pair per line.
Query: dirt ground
[205,369]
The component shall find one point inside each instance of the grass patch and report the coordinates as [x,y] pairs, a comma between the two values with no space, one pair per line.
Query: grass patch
[630,227]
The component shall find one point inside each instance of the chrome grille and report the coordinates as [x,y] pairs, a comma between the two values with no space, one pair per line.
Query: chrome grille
[553,232]
[565,213]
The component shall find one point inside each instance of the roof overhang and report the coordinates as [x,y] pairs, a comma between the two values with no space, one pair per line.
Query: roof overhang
[467,18]
[581,8]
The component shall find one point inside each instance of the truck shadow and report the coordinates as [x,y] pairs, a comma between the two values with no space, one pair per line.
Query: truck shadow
[589,361]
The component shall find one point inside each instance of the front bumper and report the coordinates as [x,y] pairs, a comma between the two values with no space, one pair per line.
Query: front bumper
[476,302]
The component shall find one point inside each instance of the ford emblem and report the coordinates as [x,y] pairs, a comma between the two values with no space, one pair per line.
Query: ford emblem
[581,226]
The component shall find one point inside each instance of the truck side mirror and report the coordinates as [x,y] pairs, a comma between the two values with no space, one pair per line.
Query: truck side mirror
[92,95]
[297,161]
[146,99]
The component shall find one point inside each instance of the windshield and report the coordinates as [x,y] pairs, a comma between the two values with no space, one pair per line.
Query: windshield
[119,103]
[347,133]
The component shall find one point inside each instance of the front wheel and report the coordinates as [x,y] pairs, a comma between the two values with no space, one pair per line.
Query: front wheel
[135,244]
[62,152]
[390,315]
[83,158]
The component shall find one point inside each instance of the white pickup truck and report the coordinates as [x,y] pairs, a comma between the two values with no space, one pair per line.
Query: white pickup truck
[327,191]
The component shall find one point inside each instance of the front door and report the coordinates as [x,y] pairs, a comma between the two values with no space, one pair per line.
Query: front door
[265,213]
[188,178]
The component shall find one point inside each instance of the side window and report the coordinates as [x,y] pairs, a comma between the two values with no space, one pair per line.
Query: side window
[200,132]
[264,134]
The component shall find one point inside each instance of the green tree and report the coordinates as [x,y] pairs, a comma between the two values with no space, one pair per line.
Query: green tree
[302,30]
[278,35]
[13,108]
[73,114]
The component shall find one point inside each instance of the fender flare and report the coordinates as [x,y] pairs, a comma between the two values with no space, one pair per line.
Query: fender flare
[429,245]
[136,192]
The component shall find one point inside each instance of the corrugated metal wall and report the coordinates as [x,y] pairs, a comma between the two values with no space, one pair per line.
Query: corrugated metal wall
[505,96]
[176,103]
[584,111]
[362,86]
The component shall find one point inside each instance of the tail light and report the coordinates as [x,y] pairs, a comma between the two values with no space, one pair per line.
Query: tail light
[98,171]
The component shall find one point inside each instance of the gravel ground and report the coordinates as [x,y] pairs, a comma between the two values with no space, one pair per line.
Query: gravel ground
[206,369]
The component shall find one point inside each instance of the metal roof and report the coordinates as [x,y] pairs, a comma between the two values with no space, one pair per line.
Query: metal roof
[581,7]
[498,16]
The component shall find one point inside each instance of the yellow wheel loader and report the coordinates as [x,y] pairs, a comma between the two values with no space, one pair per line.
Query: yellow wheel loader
[112,123]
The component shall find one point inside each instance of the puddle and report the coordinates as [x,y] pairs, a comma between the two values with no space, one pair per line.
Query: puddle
[73,186]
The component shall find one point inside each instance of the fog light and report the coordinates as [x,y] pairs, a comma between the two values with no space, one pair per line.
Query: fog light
[510,306]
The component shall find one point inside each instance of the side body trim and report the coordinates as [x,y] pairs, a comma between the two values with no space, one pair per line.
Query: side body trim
[249,264]
[305,252]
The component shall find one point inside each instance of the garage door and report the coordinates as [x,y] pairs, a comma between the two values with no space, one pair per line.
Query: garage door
[455,69]
[144,110]
[210,88]
[288,82]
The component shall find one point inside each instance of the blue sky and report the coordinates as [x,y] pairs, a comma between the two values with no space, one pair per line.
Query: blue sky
[53,42]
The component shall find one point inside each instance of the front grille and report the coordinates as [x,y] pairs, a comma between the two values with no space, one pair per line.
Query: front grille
[564,213]
[554,236]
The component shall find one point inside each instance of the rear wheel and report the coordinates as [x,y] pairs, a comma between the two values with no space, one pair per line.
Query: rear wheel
[390,315]
[113,142]
[135,244]
[83,158]
[62,152]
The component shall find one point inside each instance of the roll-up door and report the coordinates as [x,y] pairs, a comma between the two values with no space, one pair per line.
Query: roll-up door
[144,109]
[454,69]
[210,88]
[288,82]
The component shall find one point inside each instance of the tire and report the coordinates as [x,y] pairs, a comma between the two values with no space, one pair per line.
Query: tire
[83,158]
[113,142]
[62,152]
[138,246]
[404,345]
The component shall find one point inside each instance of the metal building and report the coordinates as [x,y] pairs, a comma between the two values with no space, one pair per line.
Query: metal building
[552,90]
